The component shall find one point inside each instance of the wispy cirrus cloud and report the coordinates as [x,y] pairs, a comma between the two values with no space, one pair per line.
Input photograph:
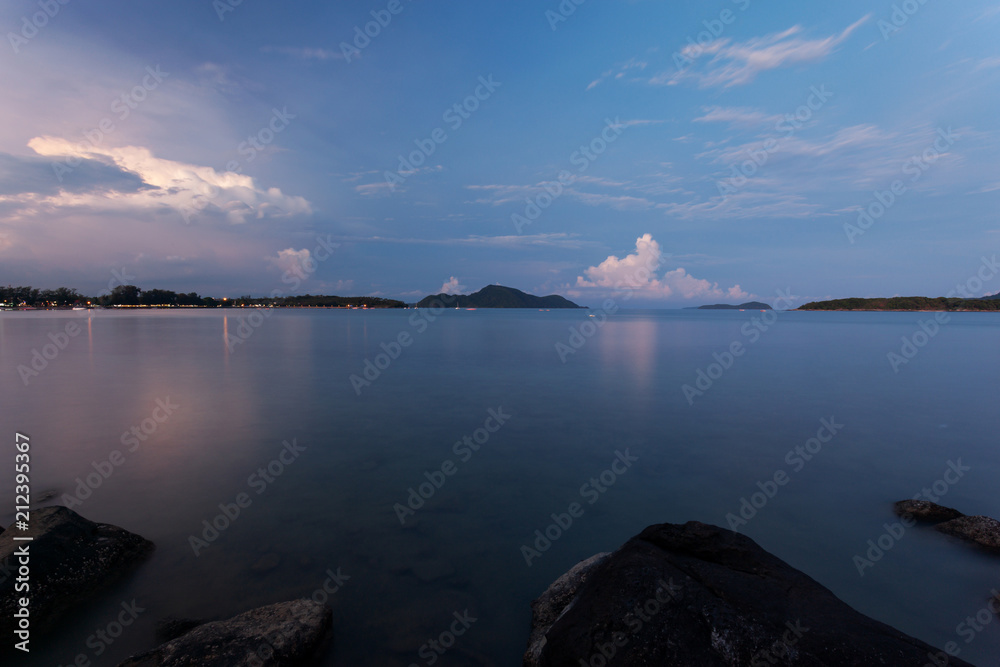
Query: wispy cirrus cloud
[737,116]
[739,63]
[552,240]
[622,70]
[306,53]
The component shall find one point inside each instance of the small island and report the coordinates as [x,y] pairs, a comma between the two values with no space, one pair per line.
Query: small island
[749,305]
[908,303]
[496,296]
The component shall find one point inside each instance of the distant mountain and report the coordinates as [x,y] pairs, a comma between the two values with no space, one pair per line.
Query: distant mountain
[750,305]
[495,296]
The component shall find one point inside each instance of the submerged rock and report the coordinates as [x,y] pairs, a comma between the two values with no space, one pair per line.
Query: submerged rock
[983,530]
[69,558]
[923,510]
[287,633]
[696,594]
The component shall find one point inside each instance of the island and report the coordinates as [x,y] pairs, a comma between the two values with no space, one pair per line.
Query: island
[908,303]
[496,296]
[749,305]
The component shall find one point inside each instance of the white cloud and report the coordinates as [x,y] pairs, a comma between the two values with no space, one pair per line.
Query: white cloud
[296,262]
[636,273]
[451,286]
[739,63]
[186,188]
[369,189]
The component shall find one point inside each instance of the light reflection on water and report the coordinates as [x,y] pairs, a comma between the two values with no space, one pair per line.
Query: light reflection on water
[332,507]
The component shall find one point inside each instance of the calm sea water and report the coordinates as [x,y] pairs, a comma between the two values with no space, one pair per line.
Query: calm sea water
[330,505]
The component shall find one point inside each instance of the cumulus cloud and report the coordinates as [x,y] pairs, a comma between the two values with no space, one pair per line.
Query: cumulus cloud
[294,262]
[191,190]
[451,286]
[637,273]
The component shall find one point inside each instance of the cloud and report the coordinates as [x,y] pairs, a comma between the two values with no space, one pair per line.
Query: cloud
[987,63]
[190,190]
[370,189]
[631,64]
[295,262]
[305,53]
[737,116]
[636,274]
[639,122]
[451,286]
[743,205]
[551,240]
[620,203]
[22,175]
[739,63]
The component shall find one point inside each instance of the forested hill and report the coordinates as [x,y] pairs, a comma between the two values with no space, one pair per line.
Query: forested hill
[496,296]
[989,303]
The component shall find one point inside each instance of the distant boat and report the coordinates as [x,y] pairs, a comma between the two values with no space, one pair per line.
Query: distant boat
[81,307]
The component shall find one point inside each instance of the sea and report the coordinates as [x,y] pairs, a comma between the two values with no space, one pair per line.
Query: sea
[429,473]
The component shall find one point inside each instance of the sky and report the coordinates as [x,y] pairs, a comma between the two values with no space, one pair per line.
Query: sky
[674,153]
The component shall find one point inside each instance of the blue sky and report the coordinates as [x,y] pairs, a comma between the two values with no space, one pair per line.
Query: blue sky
[695,151]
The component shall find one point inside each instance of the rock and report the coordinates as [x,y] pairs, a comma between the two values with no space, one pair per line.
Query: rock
[550,604]
[70,558]
[695,594]
[172,628]
[923,510]
[287,633]
[982,530]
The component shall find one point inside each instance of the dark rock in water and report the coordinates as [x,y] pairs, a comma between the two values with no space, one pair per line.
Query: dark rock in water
[287,633]
[172,628]
[695,594]
[982,530]
[546,609]
[923,510]
[70,558]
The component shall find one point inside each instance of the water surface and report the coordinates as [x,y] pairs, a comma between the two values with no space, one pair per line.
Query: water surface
[332,505]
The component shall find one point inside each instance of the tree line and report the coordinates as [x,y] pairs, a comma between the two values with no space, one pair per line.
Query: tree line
[130,295]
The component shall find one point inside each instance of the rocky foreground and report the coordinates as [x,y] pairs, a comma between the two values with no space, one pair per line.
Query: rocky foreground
[696,594]
[70,559]
[287,633]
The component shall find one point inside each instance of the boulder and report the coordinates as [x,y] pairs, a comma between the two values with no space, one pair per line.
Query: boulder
[287,633]
[545,610]
[70,558]
[983,530]
[696,594]
[926,511]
